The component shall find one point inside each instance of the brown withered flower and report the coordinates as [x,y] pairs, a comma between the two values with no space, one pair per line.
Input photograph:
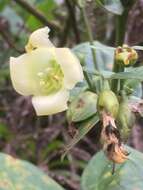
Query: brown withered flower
[110,137]
[116,153]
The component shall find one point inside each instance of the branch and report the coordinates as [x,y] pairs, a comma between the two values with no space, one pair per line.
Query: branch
[4,33]
[10,42]
[71,9]
[37,14]
[90,36]
[64,36]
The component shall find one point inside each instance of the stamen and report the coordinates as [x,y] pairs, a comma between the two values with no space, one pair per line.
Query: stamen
[42,83]
[47,70]
[51,78]
[40,74]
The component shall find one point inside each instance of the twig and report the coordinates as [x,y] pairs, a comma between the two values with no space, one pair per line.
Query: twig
[65,32]
[5,35]
[90,36]
[69,155]
[121,23]
[10,42]
[63,180]
[71,9]
[36,13]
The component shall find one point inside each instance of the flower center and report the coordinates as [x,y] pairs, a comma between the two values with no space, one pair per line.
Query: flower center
[51,79]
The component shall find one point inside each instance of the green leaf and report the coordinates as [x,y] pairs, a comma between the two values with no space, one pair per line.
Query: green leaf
[76,91]
[132,86]
[127,176]
[132,73]
[47,8]
[113,6]
[138,47]
[103,73]
[3,4]
[17,174]
[82,107]
[83,129]
[104,55]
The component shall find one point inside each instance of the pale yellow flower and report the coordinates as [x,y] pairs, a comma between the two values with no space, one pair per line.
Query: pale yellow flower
[46,72]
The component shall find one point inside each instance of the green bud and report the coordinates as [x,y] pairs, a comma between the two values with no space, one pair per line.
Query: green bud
[125,119]
[125,56]
[108,102]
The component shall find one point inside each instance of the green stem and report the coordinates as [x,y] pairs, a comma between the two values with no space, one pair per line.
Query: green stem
[86,76]
[90,36]
[88,81]
[106,85]
[117,67]
[124,96]
[121,22]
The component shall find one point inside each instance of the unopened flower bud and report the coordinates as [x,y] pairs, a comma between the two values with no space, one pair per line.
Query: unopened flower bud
[125,119]
[108,102]
[126,55]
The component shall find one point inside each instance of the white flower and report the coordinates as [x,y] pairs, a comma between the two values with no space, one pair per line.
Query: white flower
[39,38]
[46,72]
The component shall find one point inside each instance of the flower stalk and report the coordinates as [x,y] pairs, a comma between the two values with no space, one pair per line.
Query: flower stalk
[90,35]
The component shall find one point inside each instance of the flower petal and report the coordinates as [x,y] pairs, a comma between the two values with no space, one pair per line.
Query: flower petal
[71,67]
[19,75]
[47,105]
[25,68]
[39,38]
